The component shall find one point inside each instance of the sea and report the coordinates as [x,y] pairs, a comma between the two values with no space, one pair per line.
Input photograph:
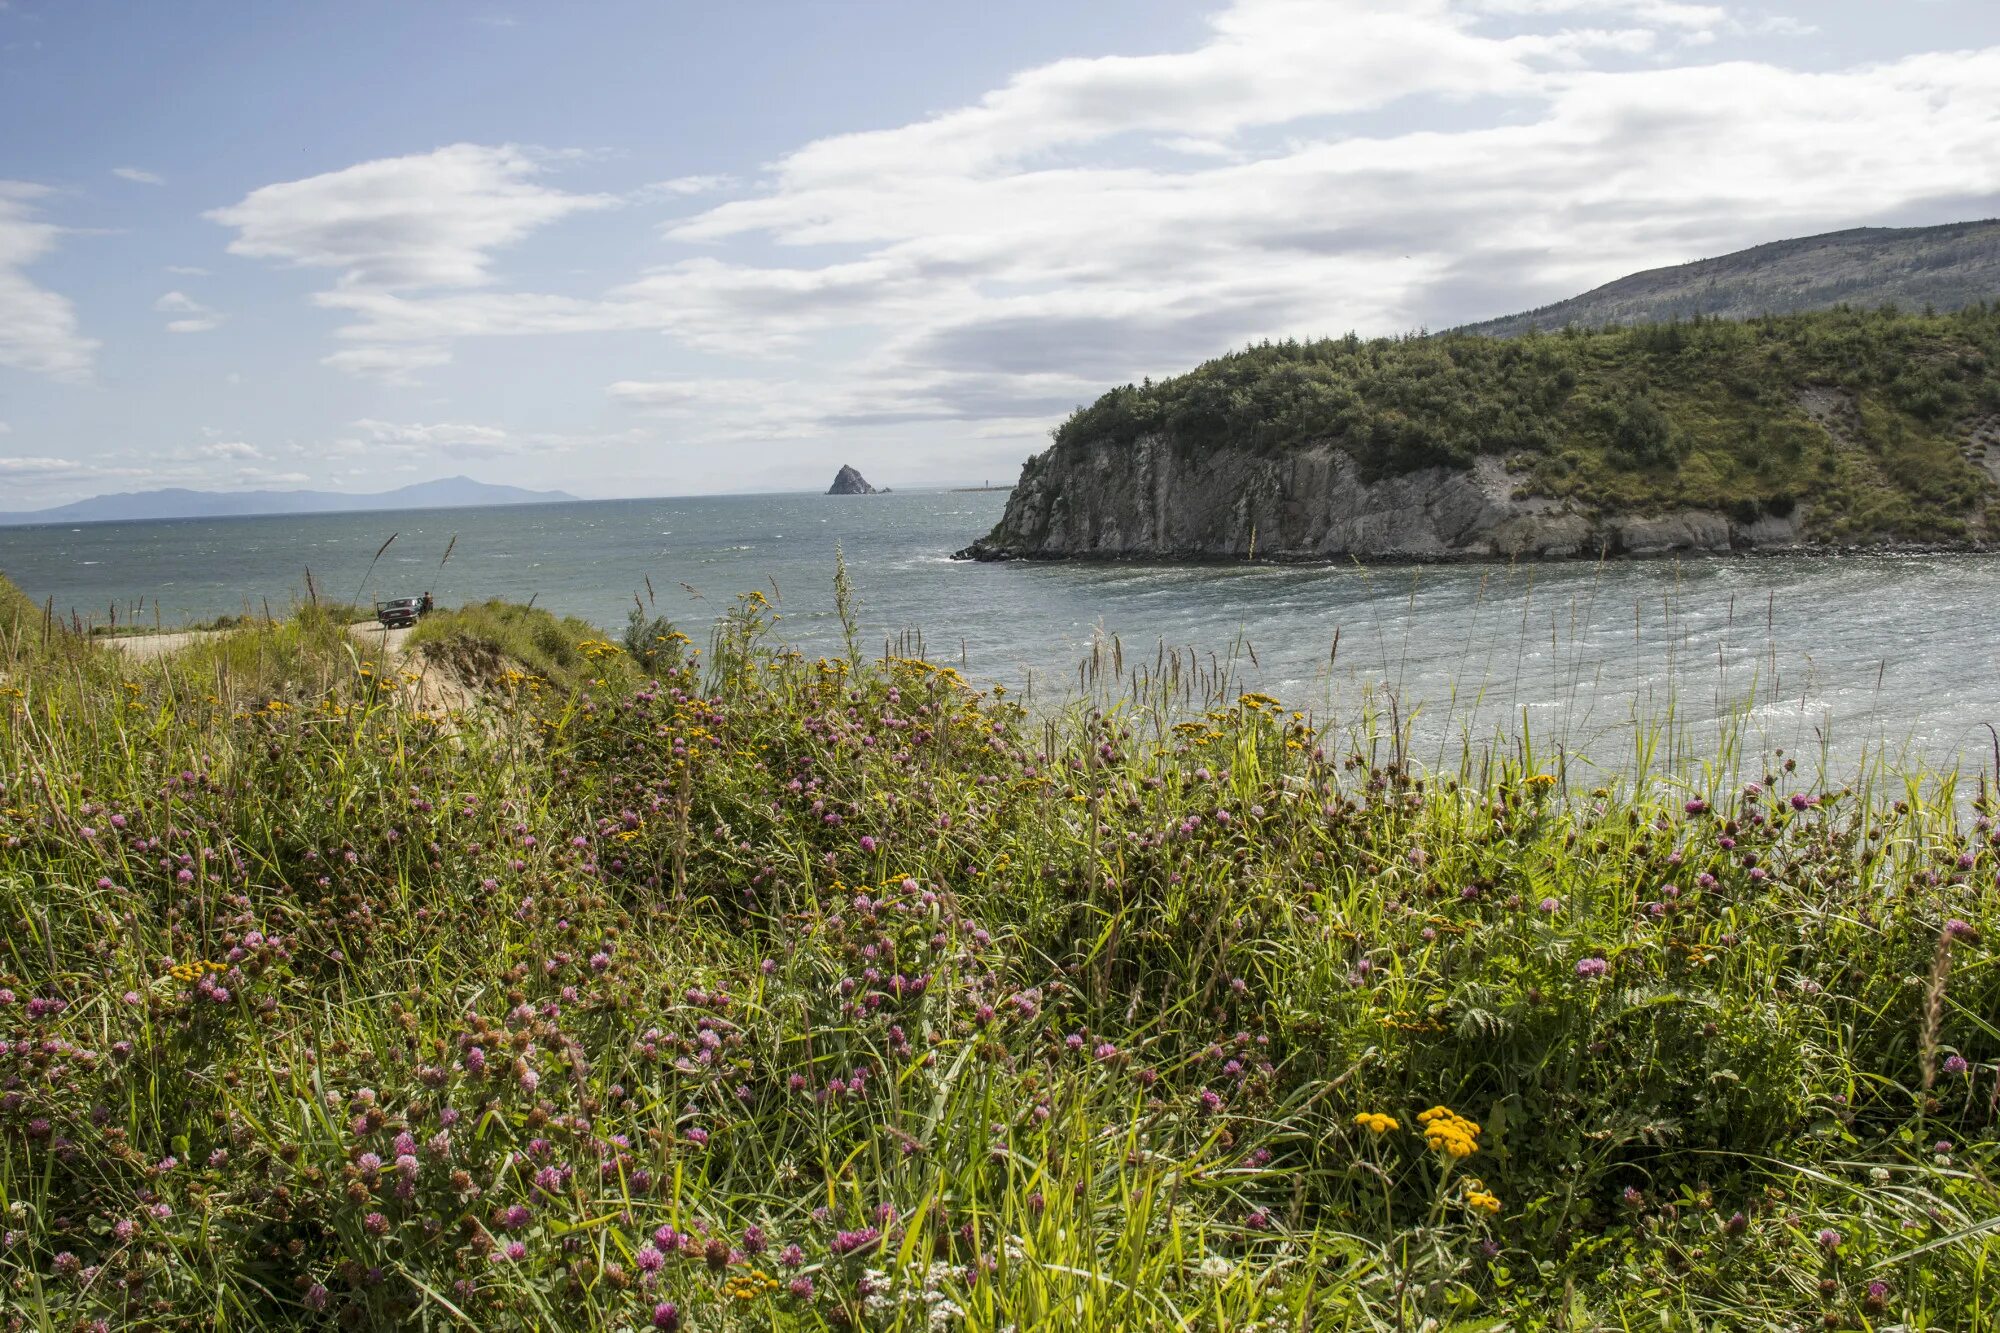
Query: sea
[1847,665]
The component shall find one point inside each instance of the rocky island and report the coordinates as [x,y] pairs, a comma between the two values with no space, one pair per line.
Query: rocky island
[849,482]
[1821,431]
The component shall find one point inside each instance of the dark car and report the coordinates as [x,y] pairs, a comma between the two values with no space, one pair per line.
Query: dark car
[398,612]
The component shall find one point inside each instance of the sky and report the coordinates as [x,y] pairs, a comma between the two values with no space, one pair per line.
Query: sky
[623,248]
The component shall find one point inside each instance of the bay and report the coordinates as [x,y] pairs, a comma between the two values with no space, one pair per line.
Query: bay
[1833,659]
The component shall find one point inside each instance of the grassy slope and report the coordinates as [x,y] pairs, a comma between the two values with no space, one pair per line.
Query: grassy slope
[1063,1027]
[1705,414]
[313,1014]
[487,639]
[1944,267]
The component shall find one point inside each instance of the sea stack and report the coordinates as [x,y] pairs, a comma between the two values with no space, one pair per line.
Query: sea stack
[849,482]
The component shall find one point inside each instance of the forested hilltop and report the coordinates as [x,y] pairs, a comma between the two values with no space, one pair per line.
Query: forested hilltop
[1834,428]
[1943,268]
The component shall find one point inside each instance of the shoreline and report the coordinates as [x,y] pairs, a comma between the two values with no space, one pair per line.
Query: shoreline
[977,554]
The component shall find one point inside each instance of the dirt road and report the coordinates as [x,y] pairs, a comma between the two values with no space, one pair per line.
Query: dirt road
[387,643]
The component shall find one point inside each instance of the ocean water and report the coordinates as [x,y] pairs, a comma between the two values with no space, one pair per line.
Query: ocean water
[1831,659]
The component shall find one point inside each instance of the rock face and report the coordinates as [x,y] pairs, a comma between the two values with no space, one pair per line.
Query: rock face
[1150,500]
[849,482]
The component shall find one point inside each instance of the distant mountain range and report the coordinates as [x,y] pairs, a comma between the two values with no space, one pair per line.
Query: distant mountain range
[1947,267]
[447,493]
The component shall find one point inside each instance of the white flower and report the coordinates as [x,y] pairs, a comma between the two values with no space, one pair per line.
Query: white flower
[1215,1268]
[1879,1174]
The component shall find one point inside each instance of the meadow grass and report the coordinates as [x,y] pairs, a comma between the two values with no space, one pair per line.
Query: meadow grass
[772,992]
[485,640]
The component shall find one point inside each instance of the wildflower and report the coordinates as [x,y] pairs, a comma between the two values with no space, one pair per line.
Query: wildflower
[1376,1123]
[649,1259]
[316,1297]
[1448,1132]
[1829,1240]
[666,1316]
[1548,906]
[852,1242]
[1482,1201]
[1954,1064]
[1879,1174]
[1592,967]
[747,1287]
[1215,1268]
[1876,1299]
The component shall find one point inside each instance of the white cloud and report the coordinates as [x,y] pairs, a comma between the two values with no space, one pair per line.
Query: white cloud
[458,439]
[1779,25]
[32,467]
[138,176]
[195,317]
[426,221]
[392,365]
[1330,164]
[229,449]
[38,328]
[687,185]
[401,223]
[187,270]
[1668,13]
[41,472]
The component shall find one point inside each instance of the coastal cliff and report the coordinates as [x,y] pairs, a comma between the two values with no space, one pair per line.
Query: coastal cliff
[1846,430]
[1149,500]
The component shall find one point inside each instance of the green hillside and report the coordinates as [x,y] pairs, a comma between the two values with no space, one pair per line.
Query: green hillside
[1945,267]
[1880,420]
